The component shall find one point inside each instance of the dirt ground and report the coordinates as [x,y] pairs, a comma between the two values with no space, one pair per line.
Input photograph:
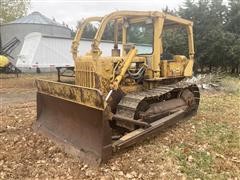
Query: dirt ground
[204,147]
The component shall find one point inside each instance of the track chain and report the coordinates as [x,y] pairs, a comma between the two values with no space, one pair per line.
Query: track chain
[130,103]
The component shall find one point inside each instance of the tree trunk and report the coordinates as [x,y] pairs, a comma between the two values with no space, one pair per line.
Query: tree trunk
[234,69]
[210,68]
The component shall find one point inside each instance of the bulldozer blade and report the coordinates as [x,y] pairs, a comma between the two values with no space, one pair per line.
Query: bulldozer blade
[78,128]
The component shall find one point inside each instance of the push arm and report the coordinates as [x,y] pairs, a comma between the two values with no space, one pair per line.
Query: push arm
[124,67]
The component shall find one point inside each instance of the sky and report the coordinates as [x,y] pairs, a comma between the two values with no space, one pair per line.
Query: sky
[70,11]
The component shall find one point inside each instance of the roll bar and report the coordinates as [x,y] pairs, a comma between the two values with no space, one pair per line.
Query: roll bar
[129,14]
[77,38]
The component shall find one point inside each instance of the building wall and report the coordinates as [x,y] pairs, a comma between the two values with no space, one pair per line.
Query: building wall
[47,52]
[9,31]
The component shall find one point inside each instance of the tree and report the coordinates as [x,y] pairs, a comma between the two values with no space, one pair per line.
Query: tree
[108,33]
[175,41]
[12,9]
[233,27]
[209,17]
[89,31]
[233,24]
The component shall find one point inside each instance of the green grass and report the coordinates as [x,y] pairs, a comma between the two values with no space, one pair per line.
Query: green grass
[220,136]
[231,84]
[212,151]
[198,166]
[197,161]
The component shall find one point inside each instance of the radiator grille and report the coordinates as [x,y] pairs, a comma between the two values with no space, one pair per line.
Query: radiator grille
[86,75]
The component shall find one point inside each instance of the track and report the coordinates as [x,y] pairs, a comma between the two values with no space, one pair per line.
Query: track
[133,103]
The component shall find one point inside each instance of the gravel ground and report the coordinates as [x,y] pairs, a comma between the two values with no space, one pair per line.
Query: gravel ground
[186,151]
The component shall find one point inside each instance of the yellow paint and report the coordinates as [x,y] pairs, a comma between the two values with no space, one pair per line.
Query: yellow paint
[188,69]
[105,73]
[158,26]
[3,61]
[125,65]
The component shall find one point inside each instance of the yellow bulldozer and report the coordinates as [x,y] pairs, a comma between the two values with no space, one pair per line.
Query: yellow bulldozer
[120,99]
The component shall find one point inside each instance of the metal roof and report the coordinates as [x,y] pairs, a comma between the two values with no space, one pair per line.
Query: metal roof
[35,18]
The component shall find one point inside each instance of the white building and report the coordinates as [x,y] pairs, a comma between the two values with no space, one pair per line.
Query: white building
[49,52]
[34,22]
